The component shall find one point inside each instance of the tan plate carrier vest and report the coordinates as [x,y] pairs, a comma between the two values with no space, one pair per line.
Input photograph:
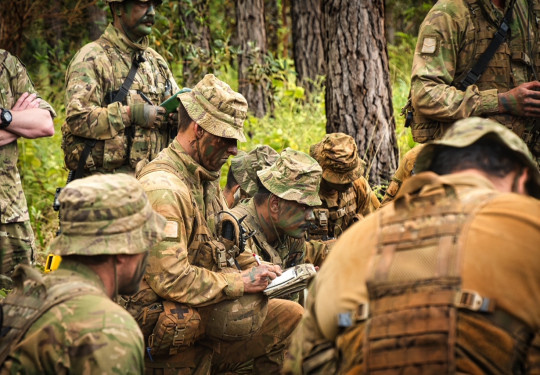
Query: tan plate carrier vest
[414,287]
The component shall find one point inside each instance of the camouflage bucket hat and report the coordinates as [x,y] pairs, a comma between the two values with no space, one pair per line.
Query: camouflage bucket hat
[295,176]
[245,166]
[337,154]
[468,131]
[106,214]
[216,108]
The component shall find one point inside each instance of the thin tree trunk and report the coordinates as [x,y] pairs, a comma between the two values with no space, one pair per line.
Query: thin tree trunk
[358,93]
[97,21]
[252,40]
[307,40]
[272,24]
[195,43]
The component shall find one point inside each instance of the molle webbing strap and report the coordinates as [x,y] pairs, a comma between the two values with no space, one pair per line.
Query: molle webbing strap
[415,280]
[481,64]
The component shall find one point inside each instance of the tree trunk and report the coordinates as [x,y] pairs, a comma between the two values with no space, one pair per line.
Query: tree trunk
[358,93]
[272,25]
[97,21]
[252,41]
[307,40]
[195,43]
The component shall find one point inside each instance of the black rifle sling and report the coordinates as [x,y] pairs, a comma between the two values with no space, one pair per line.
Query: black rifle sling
[481,64]
[119,97]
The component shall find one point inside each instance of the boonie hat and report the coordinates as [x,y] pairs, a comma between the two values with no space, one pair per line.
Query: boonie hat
[469,131]
[216,108]
[106,214]
[295,176]
[245,166]
[337,154]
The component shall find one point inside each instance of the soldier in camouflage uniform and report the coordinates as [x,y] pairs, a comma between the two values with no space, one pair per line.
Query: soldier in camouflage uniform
[119,134]
[279,213]
[108,226]
[445,279]
[242,175]
[193,268]
[404,171]
[22,114]
[452,37]
[345,194]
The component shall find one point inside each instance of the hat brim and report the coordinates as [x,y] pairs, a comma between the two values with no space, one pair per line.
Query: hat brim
[343,178]
[207,121]
[308,198]
[135,241]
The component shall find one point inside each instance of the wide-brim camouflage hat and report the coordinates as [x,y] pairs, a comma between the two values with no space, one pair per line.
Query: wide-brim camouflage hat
[295,176]
[216,108]
[106,214]
[245,166]
[337,154]
[468,131]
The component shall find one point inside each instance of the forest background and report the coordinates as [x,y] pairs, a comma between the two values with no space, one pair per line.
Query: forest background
[211,36]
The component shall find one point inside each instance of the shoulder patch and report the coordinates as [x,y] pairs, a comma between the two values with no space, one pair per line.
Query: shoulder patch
[171,229]
[429,46]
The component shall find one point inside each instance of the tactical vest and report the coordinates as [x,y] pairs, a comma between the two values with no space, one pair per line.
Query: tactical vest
[511,66]
[134,143]
[415,294]
[332,221]
[32,297]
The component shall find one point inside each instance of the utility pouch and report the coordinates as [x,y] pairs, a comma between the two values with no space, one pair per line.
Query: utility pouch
[178,325]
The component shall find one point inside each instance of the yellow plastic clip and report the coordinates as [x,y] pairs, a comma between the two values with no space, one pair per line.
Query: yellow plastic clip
[52,263]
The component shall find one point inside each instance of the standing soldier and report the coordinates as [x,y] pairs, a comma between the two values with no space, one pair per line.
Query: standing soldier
[453,79]
[279,213]
[211,314]
[345,194]
[445,279]
[242,175]
[22,114]
[66,322]
[114,87]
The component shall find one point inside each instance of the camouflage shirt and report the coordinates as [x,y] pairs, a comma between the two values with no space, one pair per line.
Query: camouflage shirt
[97,70]
[182,268]
[88,334]
[345,208]
[14,81]
[452,37]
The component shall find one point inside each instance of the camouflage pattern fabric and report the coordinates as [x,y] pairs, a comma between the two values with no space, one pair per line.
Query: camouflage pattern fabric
[98,69]
[507,227]
[349,206]
[245,166]
[106,214]
[88,334]
[468,131]
[17,242]
[404,171]
[182,269]
[295,176]
[216,107]
[452,37]
[337,155]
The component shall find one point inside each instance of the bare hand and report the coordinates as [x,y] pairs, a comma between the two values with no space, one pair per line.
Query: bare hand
[523,100]
[256,279]
[26,101]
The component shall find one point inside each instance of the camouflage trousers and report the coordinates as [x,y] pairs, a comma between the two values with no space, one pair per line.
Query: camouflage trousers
[16,247]
[261,354]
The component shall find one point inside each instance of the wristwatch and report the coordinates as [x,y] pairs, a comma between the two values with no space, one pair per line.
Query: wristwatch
[5,118]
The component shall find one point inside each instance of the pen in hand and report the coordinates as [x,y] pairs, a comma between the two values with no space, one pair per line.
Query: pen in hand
[257,258]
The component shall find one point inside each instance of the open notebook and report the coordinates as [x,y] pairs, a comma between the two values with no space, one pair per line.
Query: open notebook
[291,280]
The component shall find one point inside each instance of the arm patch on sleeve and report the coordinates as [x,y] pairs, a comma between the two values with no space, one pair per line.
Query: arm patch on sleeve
[171,229]
[429,45]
